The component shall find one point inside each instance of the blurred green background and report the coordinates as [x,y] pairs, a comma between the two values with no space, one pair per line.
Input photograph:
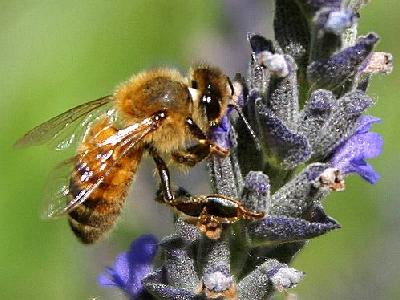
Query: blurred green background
[57,54]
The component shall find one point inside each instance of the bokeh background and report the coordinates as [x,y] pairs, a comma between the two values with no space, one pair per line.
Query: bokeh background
[57,54]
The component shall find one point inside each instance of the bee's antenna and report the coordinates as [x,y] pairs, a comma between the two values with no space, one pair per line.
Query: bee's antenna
[238,87]
[251,131]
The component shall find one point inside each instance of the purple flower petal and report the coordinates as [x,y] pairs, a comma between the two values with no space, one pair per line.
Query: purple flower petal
[366,171]
[131,267]
[120,267]
[364,123]
[220,134]
[143,250]
[109,278]
[350,157]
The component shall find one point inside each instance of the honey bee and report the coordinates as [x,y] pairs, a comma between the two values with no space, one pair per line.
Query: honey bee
[156,112]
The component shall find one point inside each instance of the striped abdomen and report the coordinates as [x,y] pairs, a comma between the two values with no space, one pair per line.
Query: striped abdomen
[94,217]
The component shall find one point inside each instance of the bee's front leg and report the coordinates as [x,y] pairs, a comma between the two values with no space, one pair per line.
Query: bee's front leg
[192,155]
[218,150]
[205,144]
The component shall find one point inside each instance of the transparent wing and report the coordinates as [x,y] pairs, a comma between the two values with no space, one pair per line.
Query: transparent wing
[64,129]
[73,133]
[62,197]
[57,189]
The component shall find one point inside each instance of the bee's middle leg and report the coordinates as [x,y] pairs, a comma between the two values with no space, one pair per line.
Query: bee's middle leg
[165,178]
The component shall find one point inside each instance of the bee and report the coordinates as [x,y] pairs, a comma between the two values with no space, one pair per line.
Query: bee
[158,112]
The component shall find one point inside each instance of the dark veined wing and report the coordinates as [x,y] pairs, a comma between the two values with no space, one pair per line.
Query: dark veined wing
[65,128]
[61,197]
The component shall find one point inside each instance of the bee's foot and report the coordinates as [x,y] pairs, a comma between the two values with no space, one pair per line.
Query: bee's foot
[218,150]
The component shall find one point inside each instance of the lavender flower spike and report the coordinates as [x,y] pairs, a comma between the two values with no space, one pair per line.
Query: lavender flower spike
[131,267]
[350,156]
[304,96]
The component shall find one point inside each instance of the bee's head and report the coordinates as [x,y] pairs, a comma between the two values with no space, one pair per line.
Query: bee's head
[211,89]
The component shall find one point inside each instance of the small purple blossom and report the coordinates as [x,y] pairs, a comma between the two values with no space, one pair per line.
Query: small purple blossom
[350,157]
[220,133]
[131,267]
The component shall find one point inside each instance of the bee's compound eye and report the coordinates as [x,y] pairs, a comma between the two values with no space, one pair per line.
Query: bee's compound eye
[194,84]
[211,101]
